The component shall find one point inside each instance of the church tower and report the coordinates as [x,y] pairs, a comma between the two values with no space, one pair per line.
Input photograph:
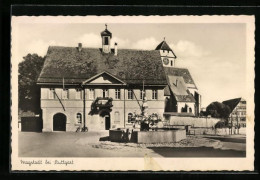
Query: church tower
[106,38]
[167,55]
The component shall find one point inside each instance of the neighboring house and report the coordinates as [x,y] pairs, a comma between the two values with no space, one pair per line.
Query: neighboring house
[238,111]
[101,88]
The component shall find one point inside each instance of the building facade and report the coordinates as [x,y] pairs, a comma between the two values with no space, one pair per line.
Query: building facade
[102,88]
[238,111]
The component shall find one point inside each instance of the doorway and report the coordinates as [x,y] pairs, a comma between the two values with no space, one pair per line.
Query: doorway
[59,122]
[106,115]
[107,122]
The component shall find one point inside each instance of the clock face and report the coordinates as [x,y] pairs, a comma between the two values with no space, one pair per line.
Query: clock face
[166,61]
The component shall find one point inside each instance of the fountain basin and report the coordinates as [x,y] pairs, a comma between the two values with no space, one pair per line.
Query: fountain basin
[159,136]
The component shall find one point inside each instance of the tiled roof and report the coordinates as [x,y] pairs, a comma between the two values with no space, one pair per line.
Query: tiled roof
[177,85]
[131,66]
[185,98]
[179,89]
[182,72]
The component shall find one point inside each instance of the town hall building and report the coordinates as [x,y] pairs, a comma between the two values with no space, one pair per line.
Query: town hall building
[102,88]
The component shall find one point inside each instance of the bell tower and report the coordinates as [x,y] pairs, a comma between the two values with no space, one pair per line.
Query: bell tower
[106,38]
[167,55]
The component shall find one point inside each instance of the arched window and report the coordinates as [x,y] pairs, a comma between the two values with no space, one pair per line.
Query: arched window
[130,115]
[79,118]
[117,118]
[190,110]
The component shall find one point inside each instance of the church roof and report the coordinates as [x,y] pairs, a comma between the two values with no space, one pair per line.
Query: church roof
[232,103]
[106,33]
[182,72]
[164,46]
[178,87]
[131,66]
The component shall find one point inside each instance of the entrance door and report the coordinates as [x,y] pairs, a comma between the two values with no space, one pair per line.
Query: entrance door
[59,122]
[107,122]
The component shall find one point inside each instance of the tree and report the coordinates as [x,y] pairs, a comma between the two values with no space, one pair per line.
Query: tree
[218,110]
[29,91]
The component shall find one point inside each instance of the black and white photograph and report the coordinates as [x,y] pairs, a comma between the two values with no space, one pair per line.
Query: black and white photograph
[132,93]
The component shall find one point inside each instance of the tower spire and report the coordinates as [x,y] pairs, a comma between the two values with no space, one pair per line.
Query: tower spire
[106,26]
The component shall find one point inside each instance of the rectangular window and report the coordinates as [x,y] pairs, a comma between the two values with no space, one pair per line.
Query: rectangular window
[78,94]
[117,119]
[130,94]
[154,94]
[65,94]
[142,93]
[106,40]
[91,93]
[117,94]
[105,93]
[171,63]
[51,93]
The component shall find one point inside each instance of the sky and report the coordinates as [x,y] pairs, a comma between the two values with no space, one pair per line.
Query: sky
[214,53]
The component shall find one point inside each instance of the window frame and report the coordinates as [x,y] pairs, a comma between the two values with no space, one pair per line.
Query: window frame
[129,120]
[105,93]
[51,92]
[80,115]
[91,94]
[78,92]
[106,40]
[131,94]
[154,94]
[117,117]
[117,93]
[62,93]
[142,93]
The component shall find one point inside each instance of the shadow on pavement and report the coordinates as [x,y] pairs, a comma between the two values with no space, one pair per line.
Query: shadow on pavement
[106,138]
[228,139]
[183,152]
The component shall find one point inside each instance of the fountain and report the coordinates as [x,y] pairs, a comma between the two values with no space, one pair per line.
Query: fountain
[147,129]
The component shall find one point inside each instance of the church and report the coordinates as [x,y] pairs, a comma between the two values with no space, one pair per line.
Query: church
[101,88]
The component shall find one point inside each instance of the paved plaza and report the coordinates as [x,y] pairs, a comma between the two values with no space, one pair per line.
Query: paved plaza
[96,144]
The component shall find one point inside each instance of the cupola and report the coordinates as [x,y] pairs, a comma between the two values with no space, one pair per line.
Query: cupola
[106,38]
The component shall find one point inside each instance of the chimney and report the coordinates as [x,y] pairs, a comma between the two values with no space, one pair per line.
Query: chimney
[80,47]
[115,53]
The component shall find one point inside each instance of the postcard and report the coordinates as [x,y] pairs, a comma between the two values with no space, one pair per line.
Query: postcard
[120,93]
